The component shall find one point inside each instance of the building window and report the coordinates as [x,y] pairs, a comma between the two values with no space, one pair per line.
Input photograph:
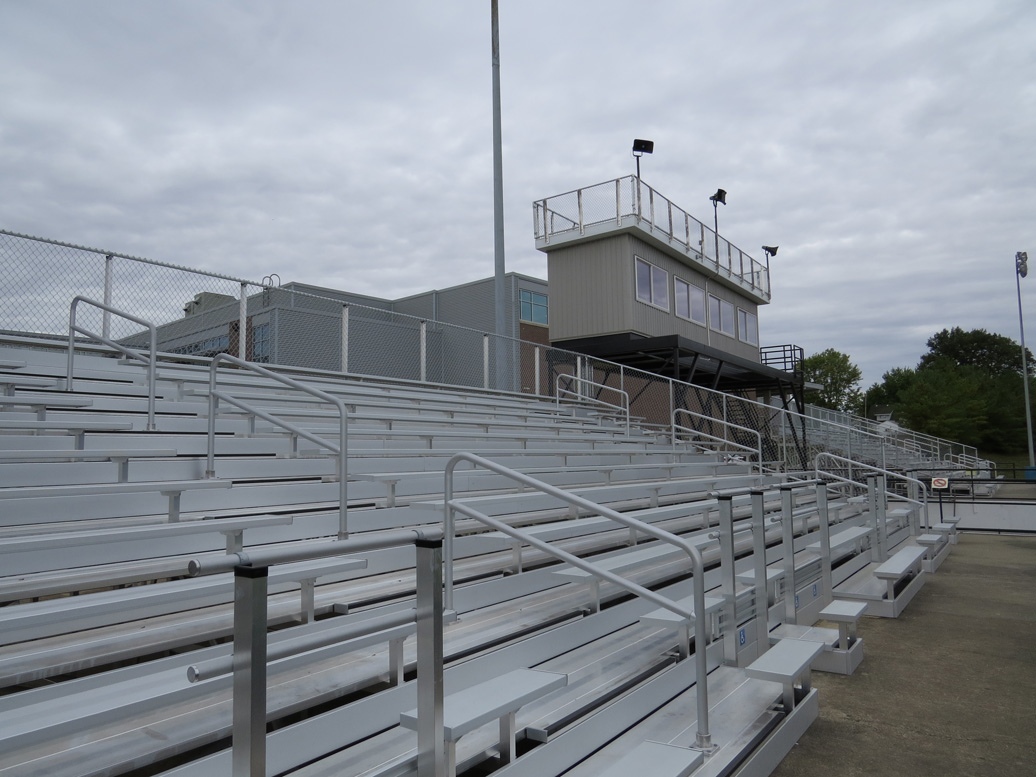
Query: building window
[747,327]
[690,301]
[532,306]
[652,284]
[207,347]
[261,343]
[721,316]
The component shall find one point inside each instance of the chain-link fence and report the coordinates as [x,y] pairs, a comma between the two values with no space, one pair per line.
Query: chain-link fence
[202,314]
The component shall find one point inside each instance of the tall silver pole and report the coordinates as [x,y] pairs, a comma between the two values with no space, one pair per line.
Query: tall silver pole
[1021,269]
[502,380]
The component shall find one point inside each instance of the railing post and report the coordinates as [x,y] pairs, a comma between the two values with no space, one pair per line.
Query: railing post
[823,510]
[249,713]
[878,551]
[345,338]
[424,351]
[880,498]
[618,201]
[762,594]
[107,319]
[788,548]
[431,741]
[728,583]
[579,205]
[242,343]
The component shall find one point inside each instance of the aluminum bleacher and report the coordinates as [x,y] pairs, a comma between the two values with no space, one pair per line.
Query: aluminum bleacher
[574,555]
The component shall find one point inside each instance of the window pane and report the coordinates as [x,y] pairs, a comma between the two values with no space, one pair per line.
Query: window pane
[727,313]
[747,327]
[660,287]
[683,302]
[714,322]
[697,299]
[643,281]
[532,306]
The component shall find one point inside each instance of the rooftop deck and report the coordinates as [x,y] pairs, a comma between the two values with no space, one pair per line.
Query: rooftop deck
[628,203]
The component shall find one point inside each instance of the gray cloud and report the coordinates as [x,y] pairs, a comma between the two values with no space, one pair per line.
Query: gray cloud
[885,146]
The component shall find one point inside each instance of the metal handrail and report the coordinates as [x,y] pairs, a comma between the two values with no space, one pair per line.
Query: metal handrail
[758,450]
[558,390]
[704,738]
[250,656]
[341,450]
[150,360]
[877,470]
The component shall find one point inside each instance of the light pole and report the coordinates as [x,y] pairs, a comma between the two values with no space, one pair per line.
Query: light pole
[717,198]
[1021,269]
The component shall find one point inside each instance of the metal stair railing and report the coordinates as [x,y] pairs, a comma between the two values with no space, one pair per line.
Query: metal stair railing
[341,450]
[624,409]
[149,360]
[758,450]
[822,474]
[703,739]
[249,659]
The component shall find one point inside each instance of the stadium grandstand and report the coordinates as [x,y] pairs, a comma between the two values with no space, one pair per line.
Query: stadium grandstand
[254,529]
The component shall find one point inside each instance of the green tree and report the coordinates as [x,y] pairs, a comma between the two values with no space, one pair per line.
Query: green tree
[893,384]
[993,353]
[948,401]
[839,377]
[966,388]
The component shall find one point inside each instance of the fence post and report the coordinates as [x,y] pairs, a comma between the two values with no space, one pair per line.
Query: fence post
[485,361]
[106,326]
[345,337]
[242,342]
[536,368]
[431,741]
[249,731]
[424,351]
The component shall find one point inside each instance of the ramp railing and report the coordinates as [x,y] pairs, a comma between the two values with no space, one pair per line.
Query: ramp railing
[703,739]
[914,485]
[149,359]
[623,407]
[341,450]
[757,451]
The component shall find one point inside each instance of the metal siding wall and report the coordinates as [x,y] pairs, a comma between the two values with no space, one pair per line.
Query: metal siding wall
[653,322]
[591,287]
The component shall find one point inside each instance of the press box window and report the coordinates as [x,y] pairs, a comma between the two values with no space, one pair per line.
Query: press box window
[747,327]
[690,301]
[532,306]
[721,316]
[652,284]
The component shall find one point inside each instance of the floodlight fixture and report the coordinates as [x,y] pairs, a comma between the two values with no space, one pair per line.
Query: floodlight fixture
[641,147]
[719,196]
[770,250]
[1021,263]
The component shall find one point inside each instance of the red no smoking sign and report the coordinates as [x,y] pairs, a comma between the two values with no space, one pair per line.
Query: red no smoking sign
[940,483]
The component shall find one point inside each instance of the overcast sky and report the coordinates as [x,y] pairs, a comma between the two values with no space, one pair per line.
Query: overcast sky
[887,146]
